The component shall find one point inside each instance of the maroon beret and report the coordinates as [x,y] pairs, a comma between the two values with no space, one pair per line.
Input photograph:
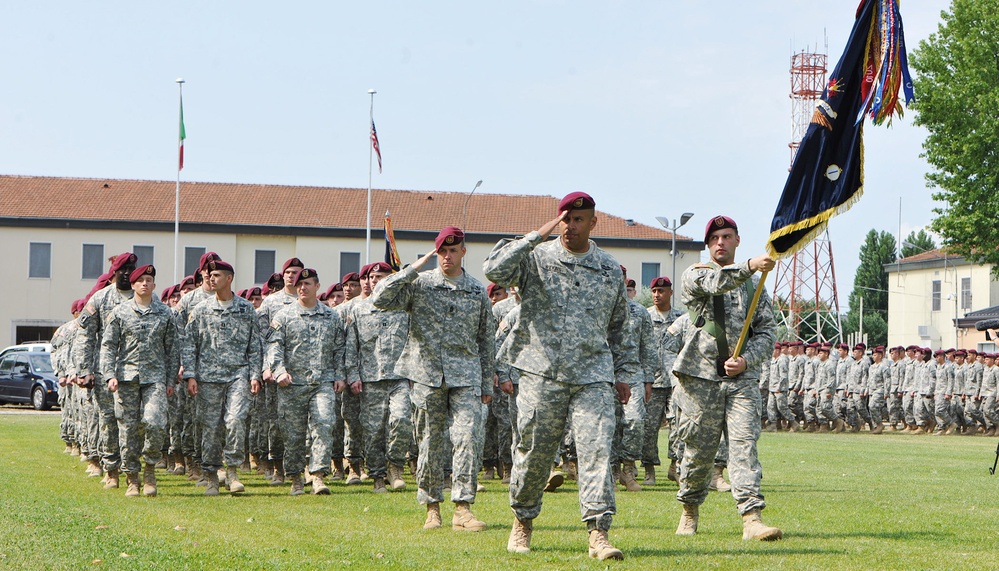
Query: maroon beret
[718,223]
[938,353]
[122,260]
[306,274]
[824,348]
[333,288]
[951,350]
[219,266]
[166,293]
[292,262]
[972,352]
[631,283]
[380,267]
[912,348]
[879,349]
[812,346]
[989,355]
[778,345]
[960,353]
[187,280]
[576,201]
[661,281]
[207,257]
[365,270]
[826,344]
[351,277]
[450,235]
[492,288]
[861,346]
[843,346]
[146,270]
[242,293]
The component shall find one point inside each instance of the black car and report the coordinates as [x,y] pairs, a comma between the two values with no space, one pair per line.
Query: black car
[27,377]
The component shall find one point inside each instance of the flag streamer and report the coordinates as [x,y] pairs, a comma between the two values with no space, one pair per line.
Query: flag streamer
[827,176]
[391,253]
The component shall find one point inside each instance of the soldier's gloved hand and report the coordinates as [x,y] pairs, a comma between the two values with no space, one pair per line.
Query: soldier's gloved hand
[113,384]
[356,387]
[623,392]
[284,379]
[762,263]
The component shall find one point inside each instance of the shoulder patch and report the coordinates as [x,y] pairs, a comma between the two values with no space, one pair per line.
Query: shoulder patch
[275,325]
[90,309]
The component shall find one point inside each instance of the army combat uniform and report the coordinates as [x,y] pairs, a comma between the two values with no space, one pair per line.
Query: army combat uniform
[568,347]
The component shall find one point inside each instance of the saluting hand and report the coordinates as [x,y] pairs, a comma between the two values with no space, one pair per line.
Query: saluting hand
[418,265]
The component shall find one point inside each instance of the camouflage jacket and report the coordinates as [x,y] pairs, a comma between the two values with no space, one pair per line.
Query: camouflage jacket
[825,376]
[307,343]
[780,370]
[507,318]
[660,322]
[640,329]
[375,340]
[808,376]
[90,326]
[856,376]
[879,377]
[141,344]
[222,344]
[450,329]
[62,349]
[574,311]
[700,283]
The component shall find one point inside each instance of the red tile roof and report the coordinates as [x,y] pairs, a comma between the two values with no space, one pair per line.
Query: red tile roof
[936,254]
[288,206]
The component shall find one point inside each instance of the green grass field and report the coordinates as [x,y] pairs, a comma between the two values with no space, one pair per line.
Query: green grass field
[844,501]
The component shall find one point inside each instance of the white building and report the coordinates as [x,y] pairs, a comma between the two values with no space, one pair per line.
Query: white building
[58,233]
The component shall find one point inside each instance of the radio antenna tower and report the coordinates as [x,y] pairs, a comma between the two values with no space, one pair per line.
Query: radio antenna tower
[804,294]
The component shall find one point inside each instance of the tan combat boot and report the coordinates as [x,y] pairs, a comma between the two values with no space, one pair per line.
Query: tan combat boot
[555,479]
[180,465]
[111,480]
[266,468]
[337,469]
[212,482]
[94,469]
[148,481]
[353,473]
[839,425]
[74,450]
[132,478]
[520,536]
[718,482]
[277,479]
[464,520]
[297,485]
[824,427]
[489,473]
[754,528]
[671,473]
[650,475]
[433,516]
[319,487]
[601,548]
[688,520]
[793,426]
[628,474]
[571,470]
[395,477]
[379,486]
[232,480]
[192,467]
[877,428]
[507,468]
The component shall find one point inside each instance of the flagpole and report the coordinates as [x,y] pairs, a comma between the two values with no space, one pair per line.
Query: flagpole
[371,150]
[176,208]
[749,315]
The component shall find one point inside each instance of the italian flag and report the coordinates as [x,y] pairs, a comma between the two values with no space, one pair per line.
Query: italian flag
[183,135]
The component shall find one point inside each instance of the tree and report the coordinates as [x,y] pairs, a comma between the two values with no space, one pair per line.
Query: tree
[871,285]
[920,242]
[957,87]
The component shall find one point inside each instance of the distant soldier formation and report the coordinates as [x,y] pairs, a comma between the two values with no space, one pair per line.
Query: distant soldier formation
[551,372]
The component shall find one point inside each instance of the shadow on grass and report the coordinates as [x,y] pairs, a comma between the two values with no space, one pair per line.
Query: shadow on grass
[899,535]
[776,548]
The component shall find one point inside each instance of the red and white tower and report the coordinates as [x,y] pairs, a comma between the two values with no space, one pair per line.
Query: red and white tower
[804,294]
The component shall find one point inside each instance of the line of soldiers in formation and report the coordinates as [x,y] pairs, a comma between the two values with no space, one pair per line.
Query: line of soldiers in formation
[93,419]
[916,389]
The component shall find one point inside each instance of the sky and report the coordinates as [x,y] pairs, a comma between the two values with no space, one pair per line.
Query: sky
[654,108]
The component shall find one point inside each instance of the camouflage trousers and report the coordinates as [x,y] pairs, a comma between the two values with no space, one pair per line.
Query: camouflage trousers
[827,406]
[655,411]
[275,444]
[222,409]
[108,423]
[941,410]
[629,432]
[88,426]
[711,409]
[141,410]
[989,411]
[922,409]
[796,403]
[257,426]
[777,408]
[338,433]
[353,429]
[544,407]
[676,446]
[386,414]
[496,448]
[66,402]
[434,407]
[895,412]
[908,408]
[857,407]
[878,407]
[973,410]
[191,431]
[304,410]
[810,401]
[175,420]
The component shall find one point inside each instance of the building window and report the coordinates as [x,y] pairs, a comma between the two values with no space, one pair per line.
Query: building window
[349,262]
[192,259]
[430,265]
[650,271]
[263,265]
[143,255]
[936,296]
[966,293]
[93,261]
[40,260]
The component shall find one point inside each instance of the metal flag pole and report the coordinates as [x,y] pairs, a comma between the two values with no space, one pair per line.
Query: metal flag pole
[180,165]
[371,150]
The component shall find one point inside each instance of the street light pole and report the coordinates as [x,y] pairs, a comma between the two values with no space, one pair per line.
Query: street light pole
[664,222]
